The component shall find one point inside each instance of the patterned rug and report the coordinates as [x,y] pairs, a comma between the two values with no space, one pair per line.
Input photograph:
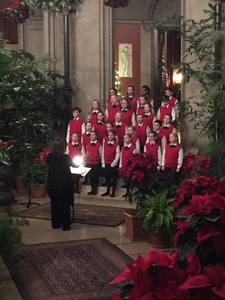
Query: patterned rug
[75,270]
[85,214]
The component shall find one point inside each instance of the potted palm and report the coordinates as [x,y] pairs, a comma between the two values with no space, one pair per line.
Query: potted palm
[158,214]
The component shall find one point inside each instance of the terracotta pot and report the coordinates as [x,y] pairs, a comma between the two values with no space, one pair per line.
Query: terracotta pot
[160,240]
[134,226]
[38,191]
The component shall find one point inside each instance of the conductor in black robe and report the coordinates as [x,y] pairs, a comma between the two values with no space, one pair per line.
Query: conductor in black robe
[60,185]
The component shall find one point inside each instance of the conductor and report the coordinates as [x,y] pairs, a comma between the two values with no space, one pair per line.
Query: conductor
[60,185]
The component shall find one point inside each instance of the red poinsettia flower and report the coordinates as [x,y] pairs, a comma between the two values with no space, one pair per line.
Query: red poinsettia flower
[42,156]
[194,265]
[14,4]
[212,278]
[181,229]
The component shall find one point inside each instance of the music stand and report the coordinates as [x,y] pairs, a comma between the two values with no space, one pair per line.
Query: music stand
[80,171]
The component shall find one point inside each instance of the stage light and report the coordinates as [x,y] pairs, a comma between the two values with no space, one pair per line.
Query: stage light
[78,161]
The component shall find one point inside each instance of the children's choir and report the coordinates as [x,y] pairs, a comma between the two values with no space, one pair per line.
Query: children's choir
[108,139]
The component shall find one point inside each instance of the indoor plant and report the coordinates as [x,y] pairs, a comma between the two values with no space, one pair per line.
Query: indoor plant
[157,214]
[139,172]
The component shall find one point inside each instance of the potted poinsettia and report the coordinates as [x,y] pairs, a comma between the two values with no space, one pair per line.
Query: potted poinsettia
[35,174]
[139,172]
[197,270]
[158,214]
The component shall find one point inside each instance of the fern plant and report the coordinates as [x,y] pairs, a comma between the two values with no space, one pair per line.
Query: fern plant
[157,212]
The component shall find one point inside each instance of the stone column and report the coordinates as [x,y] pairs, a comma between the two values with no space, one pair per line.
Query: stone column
[191,138]
[53,40]
[91,53]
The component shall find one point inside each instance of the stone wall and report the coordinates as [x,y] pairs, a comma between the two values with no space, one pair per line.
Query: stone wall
[191,137]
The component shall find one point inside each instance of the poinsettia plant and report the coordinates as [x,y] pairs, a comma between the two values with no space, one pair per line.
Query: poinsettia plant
[195,165]
[140,174]
[197,270]
[18,10]
[201,224]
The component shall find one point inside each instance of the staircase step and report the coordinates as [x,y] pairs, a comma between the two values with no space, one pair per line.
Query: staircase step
[84,189]
[103,201]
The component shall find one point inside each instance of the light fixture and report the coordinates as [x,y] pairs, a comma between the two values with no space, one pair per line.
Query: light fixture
[177,76]
[78,161]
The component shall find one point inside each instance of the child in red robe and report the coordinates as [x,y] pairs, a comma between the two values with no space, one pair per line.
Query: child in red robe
[132,101]
[126,152]
[93,161]
[75,125]
[153,149]
[134,138]
[166,109]
[86,136]
[149,116]
[95,109]
[140,105]
[74,149]
[119,128]
[142,131]
[112,109]
[100,127]
[173,155]
[167,127]
[128,115]
[110,161]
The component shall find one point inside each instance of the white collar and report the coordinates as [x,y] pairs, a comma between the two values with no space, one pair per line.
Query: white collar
[77,143]
[124,109]
[119,123]
[76,119]
[111,142]
[166,125]
[173,144]
[95,111]
[140,124]
[94,142]
[100,122]
[148,114]
[128,145]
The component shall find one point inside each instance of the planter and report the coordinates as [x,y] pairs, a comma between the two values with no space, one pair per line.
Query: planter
[38,191]
[160,240]
[134,226]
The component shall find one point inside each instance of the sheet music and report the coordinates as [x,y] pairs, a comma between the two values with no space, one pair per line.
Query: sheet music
[83,171]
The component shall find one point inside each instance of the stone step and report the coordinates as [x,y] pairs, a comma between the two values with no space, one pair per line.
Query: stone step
[84,189]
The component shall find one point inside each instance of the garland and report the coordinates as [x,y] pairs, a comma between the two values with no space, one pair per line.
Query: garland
[54,5]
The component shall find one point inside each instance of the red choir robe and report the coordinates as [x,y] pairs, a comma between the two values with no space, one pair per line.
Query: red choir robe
[120,130]
[75,126]
[93,156]
[100,129]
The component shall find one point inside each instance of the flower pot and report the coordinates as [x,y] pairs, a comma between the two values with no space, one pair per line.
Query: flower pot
[160,240]
[134,226]
[38,191]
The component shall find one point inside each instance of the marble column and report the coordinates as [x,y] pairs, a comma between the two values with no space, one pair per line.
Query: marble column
[191,138]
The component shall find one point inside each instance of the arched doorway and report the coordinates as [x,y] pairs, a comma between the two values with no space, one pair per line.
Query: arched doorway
[148,48]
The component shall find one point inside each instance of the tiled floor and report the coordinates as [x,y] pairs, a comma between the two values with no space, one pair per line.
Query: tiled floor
[40,231]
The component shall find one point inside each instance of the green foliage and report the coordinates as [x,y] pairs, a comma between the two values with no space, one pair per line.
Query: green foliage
[204,62]
[53,5]
[157,212]
[217,152]
[10,233]
[35,173]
